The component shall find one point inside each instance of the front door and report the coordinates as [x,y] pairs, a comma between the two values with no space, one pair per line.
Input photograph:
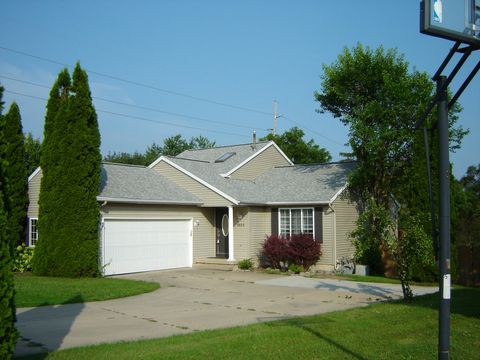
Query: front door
[221,221]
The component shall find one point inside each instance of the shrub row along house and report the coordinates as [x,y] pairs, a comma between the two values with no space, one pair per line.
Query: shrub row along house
[214,203]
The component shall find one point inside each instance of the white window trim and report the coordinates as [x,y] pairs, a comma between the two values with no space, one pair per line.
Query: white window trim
[301,219]
[30,231]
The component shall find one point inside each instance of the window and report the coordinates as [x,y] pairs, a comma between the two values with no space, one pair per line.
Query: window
[33,232]
[225,225]
[295,221]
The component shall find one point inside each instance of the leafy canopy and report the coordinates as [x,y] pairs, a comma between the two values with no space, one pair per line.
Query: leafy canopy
[172,146]
[374,94]
[297,149]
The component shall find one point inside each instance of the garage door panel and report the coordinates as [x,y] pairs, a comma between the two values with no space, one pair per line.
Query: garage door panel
[146,245]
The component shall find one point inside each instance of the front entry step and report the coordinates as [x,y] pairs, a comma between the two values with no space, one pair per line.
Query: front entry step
[215,264]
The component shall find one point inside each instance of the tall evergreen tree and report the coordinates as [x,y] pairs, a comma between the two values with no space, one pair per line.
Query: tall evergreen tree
[82,180]
[8,333]
[16,174]
[70,161]
[50,192]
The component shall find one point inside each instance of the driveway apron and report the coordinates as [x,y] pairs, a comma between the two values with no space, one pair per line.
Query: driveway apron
[192,300]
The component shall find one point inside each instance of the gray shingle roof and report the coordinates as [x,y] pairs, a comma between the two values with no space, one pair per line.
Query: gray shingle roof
[129,183]
[317,183]
[242,153]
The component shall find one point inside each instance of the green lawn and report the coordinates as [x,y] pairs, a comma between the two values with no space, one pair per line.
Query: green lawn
[38,291]
[381,331]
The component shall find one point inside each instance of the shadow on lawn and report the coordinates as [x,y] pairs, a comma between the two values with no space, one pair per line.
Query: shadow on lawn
[304,325]
[464,301]
[43,329]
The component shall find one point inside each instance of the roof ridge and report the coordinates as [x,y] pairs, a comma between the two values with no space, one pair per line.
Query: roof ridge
[229,146]
[123,164]
[316,164]
[182,158]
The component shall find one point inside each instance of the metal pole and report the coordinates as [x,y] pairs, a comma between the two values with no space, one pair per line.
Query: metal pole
[444,197]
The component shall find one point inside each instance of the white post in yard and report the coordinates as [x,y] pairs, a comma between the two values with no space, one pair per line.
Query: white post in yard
[230,234]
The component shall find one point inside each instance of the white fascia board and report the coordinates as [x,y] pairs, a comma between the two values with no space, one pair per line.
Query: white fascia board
[337,194]
[146,201]
[271,143]
[203,182]
[32,175]
[156,162]
[296,203]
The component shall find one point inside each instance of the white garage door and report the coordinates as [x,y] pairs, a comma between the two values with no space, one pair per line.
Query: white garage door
[146,245]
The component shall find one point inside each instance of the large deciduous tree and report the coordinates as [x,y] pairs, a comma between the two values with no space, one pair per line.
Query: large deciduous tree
[70,161]
[8,333]
[468,226]
[297,149]
[374,94]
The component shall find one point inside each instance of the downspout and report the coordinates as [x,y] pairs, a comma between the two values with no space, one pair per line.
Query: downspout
[102,239]
[334,236]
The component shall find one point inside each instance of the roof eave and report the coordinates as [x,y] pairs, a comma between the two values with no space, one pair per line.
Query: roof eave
[147,201]
[287,203]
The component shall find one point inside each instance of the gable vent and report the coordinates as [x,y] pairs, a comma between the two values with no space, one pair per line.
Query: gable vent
[225,157]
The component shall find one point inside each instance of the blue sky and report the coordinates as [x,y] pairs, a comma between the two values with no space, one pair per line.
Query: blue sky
[210,61]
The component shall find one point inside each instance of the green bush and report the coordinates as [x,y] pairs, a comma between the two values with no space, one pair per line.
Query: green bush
[296,269]
[22,260]
[245,264]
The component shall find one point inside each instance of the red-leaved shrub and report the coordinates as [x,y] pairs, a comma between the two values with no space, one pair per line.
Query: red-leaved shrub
[274,251]
[303,250]
[298,249]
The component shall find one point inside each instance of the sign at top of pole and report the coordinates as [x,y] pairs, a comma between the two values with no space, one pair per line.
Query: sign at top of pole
[457,20]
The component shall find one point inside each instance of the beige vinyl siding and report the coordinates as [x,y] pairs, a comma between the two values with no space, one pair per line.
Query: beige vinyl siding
[347,216]
[260,227]
[206,195]
[260,164]
[203,234]
[327,247]
[241,231]
[251,226]
[34,195]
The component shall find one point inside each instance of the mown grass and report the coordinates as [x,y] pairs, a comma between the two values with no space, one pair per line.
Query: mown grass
[382,331]
[39,291]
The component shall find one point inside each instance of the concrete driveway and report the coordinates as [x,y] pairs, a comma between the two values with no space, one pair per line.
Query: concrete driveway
[192,300]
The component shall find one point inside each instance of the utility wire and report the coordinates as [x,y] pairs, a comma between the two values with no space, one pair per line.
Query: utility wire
[167,91]
[140,118]
[313,131]
[139,106]
[137,83]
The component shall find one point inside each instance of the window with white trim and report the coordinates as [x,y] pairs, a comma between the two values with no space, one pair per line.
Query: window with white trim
[295,221]
[32,232]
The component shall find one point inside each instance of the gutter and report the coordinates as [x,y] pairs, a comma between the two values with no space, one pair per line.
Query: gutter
[105,200]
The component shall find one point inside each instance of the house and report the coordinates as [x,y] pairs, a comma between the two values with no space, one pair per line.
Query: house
[217,203]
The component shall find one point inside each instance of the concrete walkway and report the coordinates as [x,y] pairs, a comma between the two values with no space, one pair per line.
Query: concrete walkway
[192,300]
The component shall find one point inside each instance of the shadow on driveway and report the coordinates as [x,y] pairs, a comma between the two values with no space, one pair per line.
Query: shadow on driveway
[35,324]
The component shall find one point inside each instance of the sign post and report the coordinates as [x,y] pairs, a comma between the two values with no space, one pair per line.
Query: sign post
[444,258]
[457,20]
